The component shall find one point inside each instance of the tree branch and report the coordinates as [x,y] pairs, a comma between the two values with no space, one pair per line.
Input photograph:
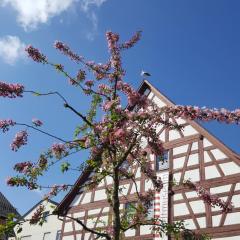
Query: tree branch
[89,229]
[41,131]
[66,105]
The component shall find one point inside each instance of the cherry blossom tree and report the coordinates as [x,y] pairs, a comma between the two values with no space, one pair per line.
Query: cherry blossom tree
[113,133]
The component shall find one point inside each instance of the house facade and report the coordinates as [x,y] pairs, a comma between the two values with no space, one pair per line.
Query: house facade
[50,230]
[192,153]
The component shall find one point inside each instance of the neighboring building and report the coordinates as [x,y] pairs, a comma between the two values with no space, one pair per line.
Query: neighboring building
[5,209]
[50,230]
[191,153]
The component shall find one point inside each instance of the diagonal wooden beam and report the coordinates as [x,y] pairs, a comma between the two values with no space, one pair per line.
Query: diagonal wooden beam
[185,162]
[229,199]
[190,211]
[216,163]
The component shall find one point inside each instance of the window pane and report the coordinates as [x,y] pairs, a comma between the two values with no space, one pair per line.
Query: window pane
[130,209]
[46,236]
[162,162]
[58,236]
[150,213]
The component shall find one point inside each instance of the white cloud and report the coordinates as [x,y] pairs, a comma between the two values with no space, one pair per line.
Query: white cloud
[11,49]
[86,4]
[30,13]
[94,20]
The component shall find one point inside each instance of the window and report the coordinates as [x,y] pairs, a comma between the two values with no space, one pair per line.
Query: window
[125,168]
[46,236]
[45,215]
[147,92]
[58,236]
[150,214]
[162,162]
[130,210]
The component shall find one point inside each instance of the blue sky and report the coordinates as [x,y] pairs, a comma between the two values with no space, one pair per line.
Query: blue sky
[191,48]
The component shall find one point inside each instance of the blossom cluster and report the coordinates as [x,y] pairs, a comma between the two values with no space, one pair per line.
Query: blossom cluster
[37,122]
[204,114]
[134,39]
[42,162]
[35,54]
[103,88]
[133,96]
[23,167]
[147,198]
[19,140]
[21,181]
[208,198]
[37,215]
[58,149]
[11,90]
[5,124]
[115,60]
[149,172]
[55,189]
[64,48]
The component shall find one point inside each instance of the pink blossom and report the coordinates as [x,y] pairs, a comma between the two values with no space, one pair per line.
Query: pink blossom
[72,82]
[203,114]
[37,215]
[21,181]
[19,140]
[81,75]
[87,142]
[37,122]
[135,38]
[42,162]
[5,124]
[35,54]
[23,167]
[64,48]
[58,149]
[98,128]
[108,105]
[89,83]
[11,90]
[103,88]
[9,181]
[119,133]
[208,198]
[112,39]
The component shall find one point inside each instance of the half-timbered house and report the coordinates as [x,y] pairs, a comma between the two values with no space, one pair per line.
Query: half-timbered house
[192,153]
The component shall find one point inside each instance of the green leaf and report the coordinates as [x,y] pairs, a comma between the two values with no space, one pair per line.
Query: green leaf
[65,167]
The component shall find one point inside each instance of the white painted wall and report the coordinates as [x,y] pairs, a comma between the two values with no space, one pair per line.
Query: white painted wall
[36,232]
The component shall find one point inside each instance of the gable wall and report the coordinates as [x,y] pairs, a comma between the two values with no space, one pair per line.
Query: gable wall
[193,154]
[196,155]
[36,232]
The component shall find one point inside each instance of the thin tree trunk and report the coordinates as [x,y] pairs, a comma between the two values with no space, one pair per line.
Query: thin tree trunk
[116,206]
